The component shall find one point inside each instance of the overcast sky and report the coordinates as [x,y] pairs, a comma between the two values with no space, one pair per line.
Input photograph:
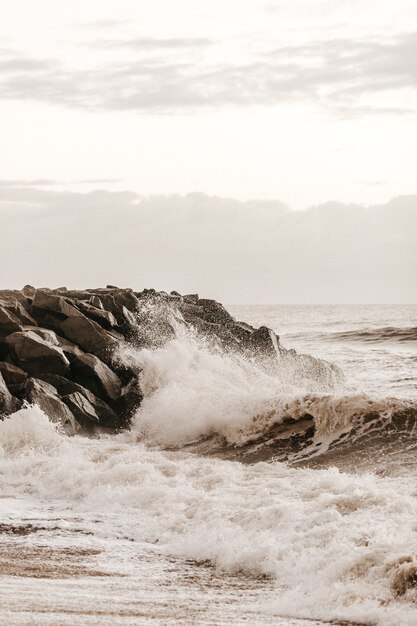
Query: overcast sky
[255,151]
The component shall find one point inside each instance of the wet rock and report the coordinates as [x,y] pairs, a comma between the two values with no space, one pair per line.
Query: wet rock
[16,304]
[214,312]
[90,372]
[46,303]
[99,315]
[46,398]
[14,377]
[47,335]
[9,323]
[83,410]
[9,298]
[29,291]
[89,336]
[22,314]
[35,355]
[95,301]
[191,298]
[107,416]
[130,399]
[8,403]
[241,331]
[265,342]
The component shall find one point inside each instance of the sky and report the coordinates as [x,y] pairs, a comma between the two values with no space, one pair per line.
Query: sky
[256,151]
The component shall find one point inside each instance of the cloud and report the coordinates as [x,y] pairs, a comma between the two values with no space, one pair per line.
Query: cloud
[345,76]
[258,251]
[149,43]
[19,183]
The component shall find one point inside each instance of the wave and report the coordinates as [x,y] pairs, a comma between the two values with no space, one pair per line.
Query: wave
[212,402]
[388,333]
[339,546]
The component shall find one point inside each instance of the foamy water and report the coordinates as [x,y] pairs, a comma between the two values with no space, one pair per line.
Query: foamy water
[135,534]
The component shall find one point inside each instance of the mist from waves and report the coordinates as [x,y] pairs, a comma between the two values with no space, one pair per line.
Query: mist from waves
[338,545]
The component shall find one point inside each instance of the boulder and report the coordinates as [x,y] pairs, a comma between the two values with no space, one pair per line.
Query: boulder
[45,301]
[90,372]
[22,314]
[45,397]
[8,403]
[17,304]
[58,313]
[99,315]
[89,336]
[130,399]
[9,323]
[214,312]
[107,416]
[28,291]
[14,377]
[35,355]
[11,296]
[241,331]
[264,342]
[122,303]
[119,298]
[83,410]
[44,333]
[191,298]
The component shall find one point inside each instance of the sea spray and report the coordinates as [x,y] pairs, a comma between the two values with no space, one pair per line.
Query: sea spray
[334,541]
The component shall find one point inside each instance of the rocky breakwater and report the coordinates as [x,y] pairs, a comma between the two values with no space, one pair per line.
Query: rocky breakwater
[59,349]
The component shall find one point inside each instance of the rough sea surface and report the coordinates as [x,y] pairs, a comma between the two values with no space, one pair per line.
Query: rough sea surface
[157,526]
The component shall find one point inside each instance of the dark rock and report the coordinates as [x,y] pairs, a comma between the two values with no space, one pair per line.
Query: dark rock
[59,314]
[44,333]
[241,331]
[12,374]
[89,336]
[99,315]
[8,403]
[95,301]
[214,312]
[191,298]
[9,297]
[265,342]
[107,416]
[28,291]
[9,323]
[35,355]
[130,399]
[20,312]
[45,397]
[92,373]
[83,410]
[44,300]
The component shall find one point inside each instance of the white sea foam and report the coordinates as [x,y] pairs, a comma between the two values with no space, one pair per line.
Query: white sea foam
[332,541]
[192,391]
[335,544]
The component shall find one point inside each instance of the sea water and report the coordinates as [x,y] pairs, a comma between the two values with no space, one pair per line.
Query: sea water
[149,527]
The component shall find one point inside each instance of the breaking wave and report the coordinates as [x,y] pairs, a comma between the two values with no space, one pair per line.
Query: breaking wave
[339,546]
[217,403]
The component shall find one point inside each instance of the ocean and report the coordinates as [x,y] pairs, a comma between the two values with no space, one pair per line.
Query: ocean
[197,514]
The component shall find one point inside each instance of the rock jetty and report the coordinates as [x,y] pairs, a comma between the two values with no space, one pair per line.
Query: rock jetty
[59,348]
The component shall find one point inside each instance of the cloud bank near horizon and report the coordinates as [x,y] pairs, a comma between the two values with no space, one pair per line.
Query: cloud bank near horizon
[237,252]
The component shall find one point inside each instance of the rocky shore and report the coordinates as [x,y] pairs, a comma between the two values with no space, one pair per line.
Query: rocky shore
[59,349]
